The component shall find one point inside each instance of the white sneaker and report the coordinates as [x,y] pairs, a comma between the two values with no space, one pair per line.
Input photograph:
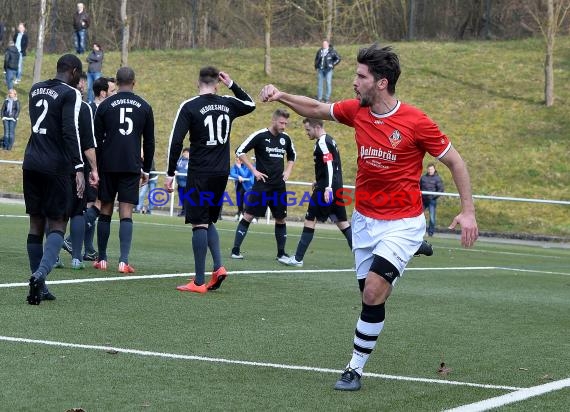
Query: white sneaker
[283,259]
[238,256]
[76,264]
[293,262]
[290,261]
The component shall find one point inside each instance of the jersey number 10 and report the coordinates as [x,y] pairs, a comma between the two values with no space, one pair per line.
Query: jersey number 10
[222,129]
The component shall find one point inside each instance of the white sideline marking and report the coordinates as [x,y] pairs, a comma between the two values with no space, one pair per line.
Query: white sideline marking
[235,272]
[247,363]
[533,271]
[512,397]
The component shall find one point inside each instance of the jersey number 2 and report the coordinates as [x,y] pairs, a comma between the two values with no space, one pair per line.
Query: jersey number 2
[37,128]
[222,129]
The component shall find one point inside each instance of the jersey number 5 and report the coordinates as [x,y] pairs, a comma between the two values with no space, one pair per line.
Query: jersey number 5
[125,119]
[222,129]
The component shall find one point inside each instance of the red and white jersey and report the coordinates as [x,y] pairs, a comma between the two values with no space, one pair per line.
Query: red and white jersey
[391,148]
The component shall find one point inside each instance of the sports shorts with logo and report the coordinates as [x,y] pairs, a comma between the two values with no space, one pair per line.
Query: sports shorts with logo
[394,240]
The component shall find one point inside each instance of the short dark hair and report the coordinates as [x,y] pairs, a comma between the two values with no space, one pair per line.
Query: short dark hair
[280,113]
[209,75]
[313,122]
[68,62]
[382,62]
[125,76]
[100,85]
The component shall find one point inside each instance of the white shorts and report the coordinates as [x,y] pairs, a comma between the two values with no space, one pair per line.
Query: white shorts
[394,240]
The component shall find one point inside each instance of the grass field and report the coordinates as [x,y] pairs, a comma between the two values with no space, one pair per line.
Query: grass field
[274,338]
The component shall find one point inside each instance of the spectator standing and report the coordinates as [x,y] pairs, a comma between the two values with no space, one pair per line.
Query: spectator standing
[81,22]
[208,119]
[431,182]
[272,146]
[21,43]
[94,69]
[181,178]
[10,114]
[124,123]
[325,61]
[243,180]
[11,62]
[52,156]
[392,139]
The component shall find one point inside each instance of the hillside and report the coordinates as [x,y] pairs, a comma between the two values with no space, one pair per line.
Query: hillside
[487,96]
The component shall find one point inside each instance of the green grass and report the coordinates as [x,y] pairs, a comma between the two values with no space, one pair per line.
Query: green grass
[487,96]
[497,326]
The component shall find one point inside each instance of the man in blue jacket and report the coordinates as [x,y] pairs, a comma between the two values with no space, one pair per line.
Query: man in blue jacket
[243,179]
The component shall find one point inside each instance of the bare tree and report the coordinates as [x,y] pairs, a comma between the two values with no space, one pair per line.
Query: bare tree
[267,17]
[329,19]
[549,22]
[40,45]
[125,40]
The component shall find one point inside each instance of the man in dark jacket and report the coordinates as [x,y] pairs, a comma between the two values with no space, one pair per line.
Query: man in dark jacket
[21,43]
[325,61]
[11,61]
[81,23]
[431,182]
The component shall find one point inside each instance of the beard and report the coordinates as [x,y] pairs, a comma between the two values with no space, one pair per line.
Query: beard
[365,100]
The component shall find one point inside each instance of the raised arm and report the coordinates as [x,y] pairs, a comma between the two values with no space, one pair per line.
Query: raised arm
[302,105]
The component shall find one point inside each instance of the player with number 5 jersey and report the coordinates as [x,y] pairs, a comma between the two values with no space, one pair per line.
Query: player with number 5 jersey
[208,119]
[123,122]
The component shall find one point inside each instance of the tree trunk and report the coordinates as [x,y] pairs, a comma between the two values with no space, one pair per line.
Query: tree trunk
[125,40]
[267,27]
[548,63]
[330,11]
[411,19]
[40,45]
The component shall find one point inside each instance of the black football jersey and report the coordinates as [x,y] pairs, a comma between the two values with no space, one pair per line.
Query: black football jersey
[208,119]
[120,122]
[86,132]
[328,167]
[270,152]
[54,146]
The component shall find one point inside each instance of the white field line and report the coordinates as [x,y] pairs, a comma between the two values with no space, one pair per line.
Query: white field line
[533,271]
[235,272]
[497,252]
[247,363]
[512,397]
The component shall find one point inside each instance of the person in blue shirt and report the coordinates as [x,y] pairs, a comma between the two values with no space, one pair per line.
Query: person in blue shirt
[243,179]
[181,177]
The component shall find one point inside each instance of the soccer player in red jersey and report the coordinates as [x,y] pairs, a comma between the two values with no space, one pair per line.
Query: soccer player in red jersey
[388,224]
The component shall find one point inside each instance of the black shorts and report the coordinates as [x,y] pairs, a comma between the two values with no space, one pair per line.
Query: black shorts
[123,186]
[203,198]
[77,204]
[90,194]
[260,198]
[320,210]
[47,195]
